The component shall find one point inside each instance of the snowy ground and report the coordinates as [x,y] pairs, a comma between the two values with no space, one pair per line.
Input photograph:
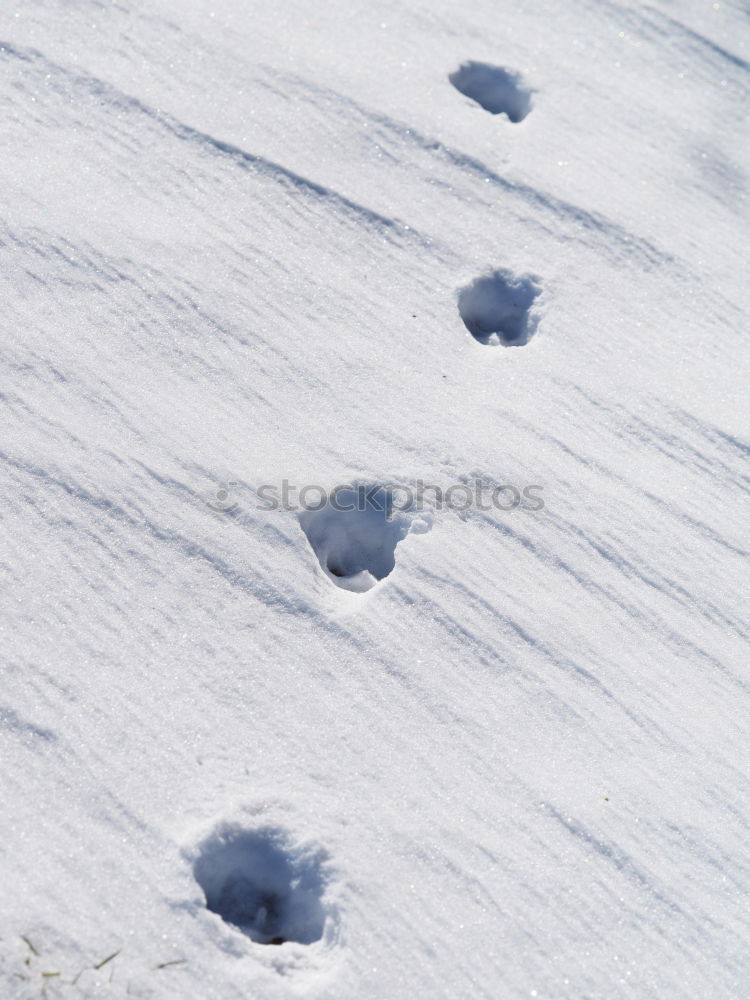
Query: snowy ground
[234,241]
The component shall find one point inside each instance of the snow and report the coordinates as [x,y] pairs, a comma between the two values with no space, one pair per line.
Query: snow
[455,753]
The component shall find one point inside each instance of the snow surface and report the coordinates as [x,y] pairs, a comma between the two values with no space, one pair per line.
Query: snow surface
[234,237]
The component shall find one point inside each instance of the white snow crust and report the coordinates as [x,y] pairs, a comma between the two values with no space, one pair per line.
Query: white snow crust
[453,754]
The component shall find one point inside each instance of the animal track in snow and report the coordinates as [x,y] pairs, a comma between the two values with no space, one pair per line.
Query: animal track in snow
[355,535]
[499,91]
[254,881]
[498,308]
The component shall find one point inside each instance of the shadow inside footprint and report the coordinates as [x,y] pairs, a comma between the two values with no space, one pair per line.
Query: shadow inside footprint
[499,91]
[355,536]
[497,308]
[252,881]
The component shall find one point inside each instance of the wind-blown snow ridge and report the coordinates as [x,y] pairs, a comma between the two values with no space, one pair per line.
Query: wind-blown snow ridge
[603,232]
[10,720]
[139,521]
[672,28]
[283,175]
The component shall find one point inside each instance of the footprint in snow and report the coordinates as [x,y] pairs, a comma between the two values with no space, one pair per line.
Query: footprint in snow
[255,881]
[498,308]
[355,535]
[499,91]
